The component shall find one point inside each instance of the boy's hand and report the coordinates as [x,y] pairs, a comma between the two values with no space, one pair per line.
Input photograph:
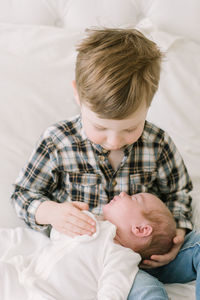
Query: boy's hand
[66,217]
[161,260]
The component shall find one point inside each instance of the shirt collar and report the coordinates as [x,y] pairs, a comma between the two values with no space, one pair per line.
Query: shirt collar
[81,130]
[99,149]
[145,134]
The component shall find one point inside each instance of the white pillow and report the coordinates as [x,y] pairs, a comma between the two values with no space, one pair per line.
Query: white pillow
[177,17]
[37,67]
[35,12]
[90,13]
[72,14]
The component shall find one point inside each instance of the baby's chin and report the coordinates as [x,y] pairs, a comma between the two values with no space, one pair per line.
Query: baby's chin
[99,218]
[104,211]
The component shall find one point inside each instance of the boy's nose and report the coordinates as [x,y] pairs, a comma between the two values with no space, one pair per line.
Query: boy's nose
[115,142]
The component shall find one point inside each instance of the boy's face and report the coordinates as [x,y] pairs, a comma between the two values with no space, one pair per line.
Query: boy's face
[113,134]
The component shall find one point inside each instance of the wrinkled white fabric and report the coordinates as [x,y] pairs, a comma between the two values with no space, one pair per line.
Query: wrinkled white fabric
[65,268]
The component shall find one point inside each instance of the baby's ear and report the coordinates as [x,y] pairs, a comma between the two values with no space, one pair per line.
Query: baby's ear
[142,230]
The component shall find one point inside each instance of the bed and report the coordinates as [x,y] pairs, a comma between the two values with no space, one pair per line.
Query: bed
[37,56]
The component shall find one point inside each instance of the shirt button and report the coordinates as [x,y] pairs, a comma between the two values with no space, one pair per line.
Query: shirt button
[104,151]
[102,158]
[114,183]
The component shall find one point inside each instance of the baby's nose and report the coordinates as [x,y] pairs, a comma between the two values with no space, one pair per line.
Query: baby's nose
[123,194]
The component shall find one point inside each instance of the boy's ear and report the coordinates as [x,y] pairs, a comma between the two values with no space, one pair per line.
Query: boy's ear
[143,230]
[76,96]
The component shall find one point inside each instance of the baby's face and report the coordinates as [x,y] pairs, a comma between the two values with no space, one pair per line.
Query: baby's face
[124,210]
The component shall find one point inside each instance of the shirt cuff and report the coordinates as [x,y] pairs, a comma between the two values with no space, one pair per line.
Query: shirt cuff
[31,212]
[186,224]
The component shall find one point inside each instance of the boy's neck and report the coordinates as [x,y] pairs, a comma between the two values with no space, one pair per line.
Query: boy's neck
[115,157]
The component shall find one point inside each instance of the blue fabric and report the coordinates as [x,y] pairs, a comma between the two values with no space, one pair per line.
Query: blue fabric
[184,268]
[147,287]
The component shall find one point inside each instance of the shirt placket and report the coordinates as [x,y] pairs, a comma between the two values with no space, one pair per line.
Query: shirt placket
[115,181]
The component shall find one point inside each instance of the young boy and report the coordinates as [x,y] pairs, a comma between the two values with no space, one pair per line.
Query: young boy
[105,269]
[110,148]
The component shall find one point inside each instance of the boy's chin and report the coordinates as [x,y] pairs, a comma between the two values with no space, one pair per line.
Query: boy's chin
[107,148]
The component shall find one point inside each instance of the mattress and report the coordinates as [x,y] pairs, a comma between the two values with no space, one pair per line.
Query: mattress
[37,57]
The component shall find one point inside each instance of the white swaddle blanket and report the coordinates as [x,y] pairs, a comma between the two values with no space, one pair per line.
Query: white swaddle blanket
[65,268]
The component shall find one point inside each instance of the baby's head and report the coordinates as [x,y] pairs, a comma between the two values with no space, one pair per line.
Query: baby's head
[143,222]
[117,70]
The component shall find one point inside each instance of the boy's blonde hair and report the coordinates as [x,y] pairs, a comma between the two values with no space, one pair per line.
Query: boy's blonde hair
[116,71]
[164,230]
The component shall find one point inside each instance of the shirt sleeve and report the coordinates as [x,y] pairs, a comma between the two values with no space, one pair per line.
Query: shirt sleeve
[36,182]
[174,183]
[120,267]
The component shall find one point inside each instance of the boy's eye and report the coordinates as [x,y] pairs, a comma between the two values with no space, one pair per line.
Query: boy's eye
[130,130]
[100,128]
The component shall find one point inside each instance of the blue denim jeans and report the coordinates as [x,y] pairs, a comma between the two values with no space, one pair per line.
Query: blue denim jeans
[184,268]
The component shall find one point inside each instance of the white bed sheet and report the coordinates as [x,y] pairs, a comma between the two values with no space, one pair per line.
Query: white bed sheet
[37,55]
[49,268]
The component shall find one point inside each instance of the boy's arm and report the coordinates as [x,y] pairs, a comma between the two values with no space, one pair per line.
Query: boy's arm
[120,267]
[34,197]
[36,182]
[174,186]
[174,183]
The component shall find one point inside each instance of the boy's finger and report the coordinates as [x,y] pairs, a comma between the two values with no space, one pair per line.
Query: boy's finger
[161,258]
[80,215]
[73,229]
[148,264]
[178,240]
[80,205]
[80,224]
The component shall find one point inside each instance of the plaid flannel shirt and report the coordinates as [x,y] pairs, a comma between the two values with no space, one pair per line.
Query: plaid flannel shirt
[66,166]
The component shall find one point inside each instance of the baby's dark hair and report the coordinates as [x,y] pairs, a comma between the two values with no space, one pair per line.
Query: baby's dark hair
[164,230]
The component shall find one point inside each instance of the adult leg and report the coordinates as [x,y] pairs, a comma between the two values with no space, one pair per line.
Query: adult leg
[185,267]
[147,287]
